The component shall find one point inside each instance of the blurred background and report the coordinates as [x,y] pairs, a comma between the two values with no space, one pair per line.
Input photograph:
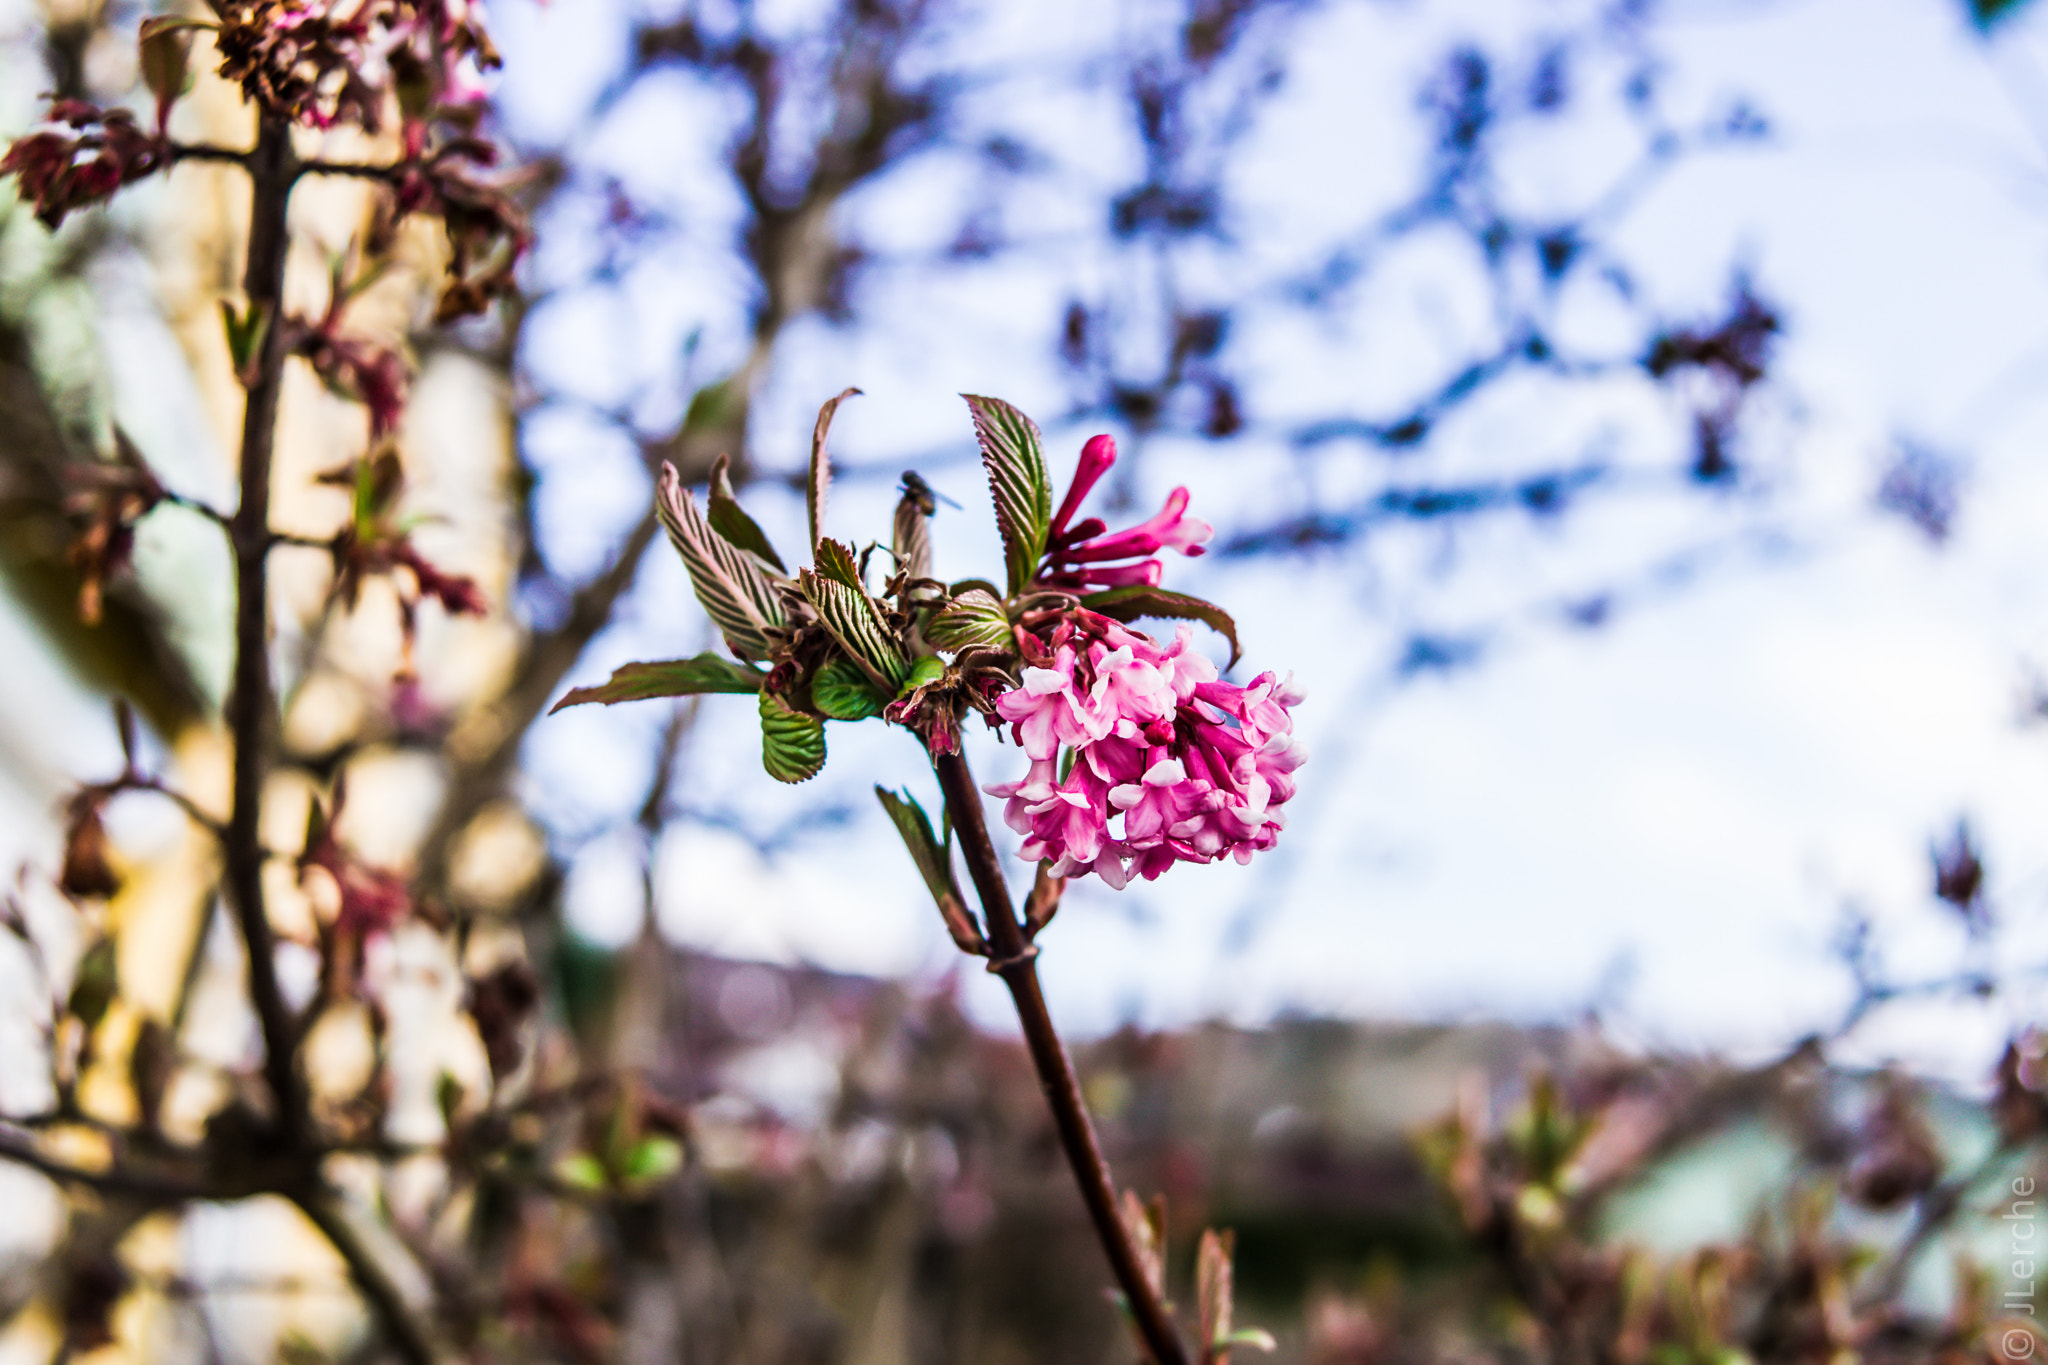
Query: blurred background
[1624,416]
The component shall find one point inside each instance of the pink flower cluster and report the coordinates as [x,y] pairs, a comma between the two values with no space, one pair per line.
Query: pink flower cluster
[1194,767]
[1078,557]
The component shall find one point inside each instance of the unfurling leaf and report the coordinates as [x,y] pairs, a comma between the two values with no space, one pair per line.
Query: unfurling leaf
[925,670]
[165,49]
[936,867]
[973,620]
[821,466]
[1147,1226]
[842,691]
[1134,603]
[911,538]
[1213,1291]
[731,521]
[792,744]
[1014,456]
[734,588]
[667,678]
[244,332]
[853,620]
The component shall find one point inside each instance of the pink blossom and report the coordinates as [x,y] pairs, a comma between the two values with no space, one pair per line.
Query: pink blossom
[1045,712]
[1193,768]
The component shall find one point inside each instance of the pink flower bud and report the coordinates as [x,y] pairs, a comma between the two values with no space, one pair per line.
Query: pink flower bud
[1096,458]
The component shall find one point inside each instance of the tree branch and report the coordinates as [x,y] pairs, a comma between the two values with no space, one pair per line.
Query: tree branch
[271,168]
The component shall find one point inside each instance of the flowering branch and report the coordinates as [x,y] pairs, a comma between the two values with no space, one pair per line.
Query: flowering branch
[1118,730]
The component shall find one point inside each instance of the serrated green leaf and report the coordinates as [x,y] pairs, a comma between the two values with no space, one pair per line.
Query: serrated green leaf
[1133,603]
[730,520]
[792,744]
[736,591]
[924,670]
[667,678]
[1014,455]
[856,623]
[835,561]
[820,480]
[973,620]
[842,691]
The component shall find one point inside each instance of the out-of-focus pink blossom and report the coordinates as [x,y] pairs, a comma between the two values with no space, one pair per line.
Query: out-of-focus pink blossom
[1193,768]
[59,172]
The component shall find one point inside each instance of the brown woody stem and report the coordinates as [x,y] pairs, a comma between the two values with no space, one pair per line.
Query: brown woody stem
[1015,960]
[271,169]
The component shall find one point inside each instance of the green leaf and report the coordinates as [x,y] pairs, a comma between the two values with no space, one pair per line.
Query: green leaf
[245,333]
[924,670]
[94,984]
[854,621]
[935,865]
[714,406]
[668,678]
[735,590]
[821,467]
[1133,603]
[973,620]
[581,1171]
[651,1159]
[842,691]
[925,850]
[792,744]
[1014,456]
[836,562]
[729,520]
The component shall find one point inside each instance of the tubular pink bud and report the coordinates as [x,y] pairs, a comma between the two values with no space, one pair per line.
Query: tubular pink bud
[1096,458]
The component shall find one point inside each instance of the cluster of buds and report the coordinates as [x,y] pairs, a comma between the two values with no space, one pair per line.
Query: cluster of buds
[1141,754]
[60,171]
[1083,555]
[316,63]
[324,63]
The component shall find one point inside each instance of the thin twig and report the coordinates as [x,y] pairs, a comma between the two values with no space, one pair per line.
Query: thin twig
[1016,961]
[200,151]
[361,170]
[157,1186]
[408,1335]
